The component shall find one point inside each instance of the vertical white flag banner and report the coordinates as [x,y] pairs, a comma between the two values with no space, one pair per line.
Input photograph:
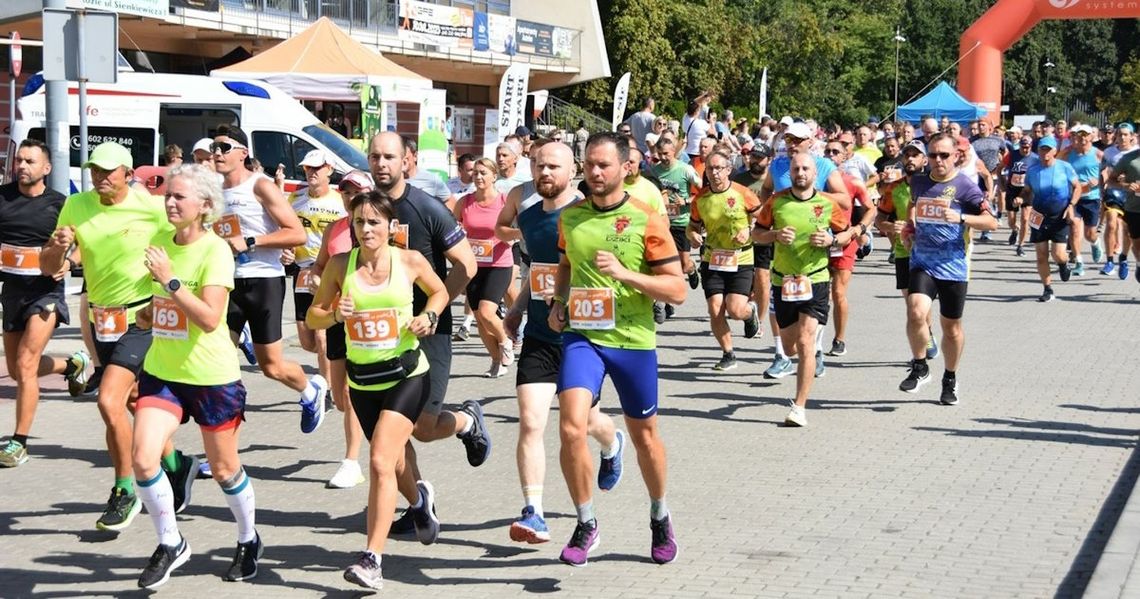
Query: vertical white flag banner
[512,99]
[621,95]
[764,92]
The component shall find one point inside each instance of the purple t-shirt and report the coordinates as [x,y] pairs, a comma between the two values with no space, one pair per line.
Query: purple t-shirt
[940,247]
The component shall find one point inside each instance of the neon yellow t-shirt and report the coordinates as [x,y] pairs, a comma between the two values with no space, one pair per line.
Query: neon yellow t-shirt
[316,214]
[648,193]
[181,352]
[112,240]
[724,214]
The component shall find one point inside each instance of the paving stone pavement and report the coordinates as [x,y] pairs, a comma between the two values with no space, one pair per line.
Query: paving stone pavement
[1012,493]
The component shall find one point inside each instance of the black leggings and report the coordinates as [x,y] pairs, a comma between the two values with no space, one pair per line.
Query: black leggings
[407,397]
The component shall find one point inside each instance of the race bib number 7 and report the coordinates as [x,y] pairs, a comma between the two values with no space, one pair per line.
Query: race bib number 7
[931,210]
[591,308]
[17,260]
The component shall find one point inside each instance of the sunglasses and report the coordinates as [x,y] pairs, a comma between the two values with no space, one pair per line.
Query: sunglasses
[940,155]
[792,139]
[225,147]
[832,152]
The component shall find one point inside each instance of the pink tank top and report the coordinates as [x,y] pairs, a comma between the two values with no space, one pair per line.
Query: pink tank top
[340,237]
[479,223]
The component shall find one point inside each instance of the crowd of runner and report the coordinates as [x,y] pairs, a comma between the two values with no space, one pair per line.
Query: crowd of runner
[567,285]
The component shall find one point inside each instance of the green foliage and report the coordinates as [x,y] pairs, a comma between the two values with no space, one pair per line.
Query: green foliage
[834,60]
[1124,103]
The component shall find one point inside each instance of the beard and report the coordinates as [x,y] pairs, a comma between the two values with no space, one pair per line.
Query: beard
[549,189]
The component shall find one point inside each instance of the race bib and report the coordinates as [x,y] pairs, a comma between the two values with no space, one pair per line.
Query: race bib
[931,210]
[542,279]
[400,237]
[892,174]
[110,323]
[673,210]
[724,260]
[304,279]
[1035,219]
[591,308]
[835,251]
[169,321]
[1017,180]
[796,288]
[484,250]
[228,226]
[374,329]
[17,260]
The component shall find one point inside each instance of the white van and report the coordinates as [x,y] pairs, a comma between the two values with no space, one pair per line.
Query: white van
[147,111]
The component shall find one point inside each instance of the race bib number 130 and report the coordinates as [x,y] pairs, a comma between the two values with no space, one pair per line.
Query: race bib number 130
[931,210]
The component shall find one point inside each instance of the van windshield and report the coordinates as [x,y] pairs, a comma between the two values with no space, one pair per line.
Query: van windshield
[338,145]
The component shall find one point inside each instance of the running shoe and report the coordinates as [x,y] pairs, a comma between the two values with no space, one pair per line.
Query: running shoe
[916,377]
[13,454]
[609,469]
[1019,252]
[891,258]
[204,470]
[727,361]
[752,325]
[121,510]
[780,368]
[77,380]
[838,348]
[949,395]
[1097,250]
[797,416]
[529,528]
[870,247]
[820,367]
[664,545]
[347,476]
[182,480]
[162,562]
[584,540]
[424,518]
[245,342]
[313,412]
[1012,237]
[93,382]
[669,311]
[1108,268]
[694,279]
[1046,296]
[462,333]
[496,371]
[477,441]
[404,525]
[1079,269]
[931,346]
[984,237]
[244,564]
[658,312]
[1122,272]
[507,353]
[365,572]
[501,311]
[1065,270]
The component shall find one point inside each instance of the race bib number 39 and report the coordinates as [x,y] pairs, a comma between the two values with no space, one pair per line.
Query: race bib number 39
[374,329]
[591,308]
[110,323]
[484,250]
[169,321]
[542,279]
[17,260]
[228,226]
[796,288]
[931,210]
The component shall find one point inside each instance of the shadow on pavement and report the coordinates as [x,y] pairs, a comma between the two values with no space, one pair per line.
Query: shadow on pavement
[1057,432]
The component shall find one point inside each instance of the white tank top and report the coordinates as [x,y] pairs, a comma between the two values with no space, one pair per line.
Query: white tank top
[241,201]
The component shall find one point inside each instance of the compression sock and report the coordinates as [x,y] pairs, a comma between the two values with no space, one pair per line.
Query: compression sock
[158,498]
[170,461]
[238,490]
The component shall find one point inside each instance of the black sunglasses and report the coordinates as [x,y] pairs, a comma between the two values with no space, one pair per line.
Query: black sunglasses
[832,152]
[940,155]
[225,147]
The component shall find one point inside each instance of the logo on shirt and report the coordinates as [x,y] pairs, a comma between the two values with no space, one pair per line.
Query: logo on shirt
[818,210]
[731,202]
[621,224]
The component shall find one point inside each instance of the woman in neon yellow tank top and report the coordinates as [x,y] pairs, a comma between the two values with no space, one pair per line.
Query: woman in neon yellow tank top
[370,290]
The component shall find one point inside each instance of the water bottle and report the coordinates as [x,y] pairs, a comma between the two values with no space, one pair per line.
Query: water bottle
[243,258]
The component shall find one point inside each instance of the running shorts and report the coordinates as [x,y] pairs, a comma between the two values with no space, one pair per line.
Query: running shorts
[259,302]
[406,397]
[213,407]
[488,285]
[716,282]
[818,307]
[951,295]
[632,371]
[20,304]
[129,351]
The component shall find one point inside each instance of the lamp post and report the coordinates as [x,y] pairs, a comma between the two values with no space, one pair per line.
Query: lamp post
[899,39]
[1049,90]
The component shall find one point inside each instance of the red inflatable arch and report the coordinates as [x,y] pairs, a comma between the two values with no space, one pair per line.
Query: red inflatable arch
[982,45]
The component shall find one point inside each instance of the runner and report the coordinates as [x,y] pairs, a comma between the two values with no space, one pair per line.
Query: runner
[721,224]
[339,239]
[34,303]
[477,213]
[1054,188]
[109,228]
[617,257]
[191,370]
[677,180]
[1087,162]
[1115,232]
[258,224]
[425,225]
[1017,165]
[1126,175]
[386,366]
[945,206]
[841,262]
[317,206]
[541,355]
[803,223]
[756,163]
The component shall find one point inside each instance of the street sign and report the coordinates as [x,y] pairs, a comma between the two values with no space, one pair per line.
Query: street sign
[97,45]
[16,53]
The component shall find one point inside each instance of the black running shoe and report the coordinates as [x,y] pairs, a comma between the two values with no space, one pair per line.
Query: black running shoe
[1012,237]
[1066,271]
[658,313]
[694,279]
[918,376]
[121,510]
[752,325]
[670,310]
[244,565]
[93,382]
[1046,296]
[424,518]
[477,440]
[949,395]
[182,480]
[162,562]
[404,525]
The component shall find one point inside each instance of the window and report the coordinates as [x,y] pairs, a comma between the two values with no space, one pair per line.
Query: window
[273,148]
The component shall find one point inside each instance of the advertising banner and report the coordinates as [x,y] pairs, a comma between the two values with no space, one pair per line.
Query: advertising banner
[512,100]
[621,95]
[534,38]
[435,25]
[371,119]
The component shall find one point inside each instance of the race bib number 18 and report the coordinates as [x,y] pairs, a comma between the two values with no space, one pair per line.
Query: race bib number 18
[542,279]
[591,308]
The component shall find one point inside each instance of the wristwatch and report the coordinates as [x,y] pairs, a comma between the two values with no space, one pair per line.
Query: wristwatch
[250,242]
[172,286]
[432,317]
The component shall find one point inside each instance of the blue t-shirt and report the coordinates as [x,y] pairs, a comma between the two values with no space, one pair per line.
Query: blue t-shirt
[1087,168]
[539,229]
[940,248]
[781,170]
[1052,187]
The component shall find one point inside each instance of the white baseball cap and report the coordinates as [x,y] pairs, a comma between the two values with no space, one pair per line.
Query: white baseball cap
[1082,128]
[799,131]
[316,159]
[202,144]
[786,121]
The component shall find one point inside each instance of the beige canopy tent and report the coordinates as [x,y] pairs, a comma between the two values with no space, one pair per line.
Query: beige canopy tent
[323,63]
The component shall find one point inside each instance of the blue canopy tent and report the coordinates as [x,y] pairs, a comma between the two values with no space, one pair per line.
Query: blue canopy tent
[939,102]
